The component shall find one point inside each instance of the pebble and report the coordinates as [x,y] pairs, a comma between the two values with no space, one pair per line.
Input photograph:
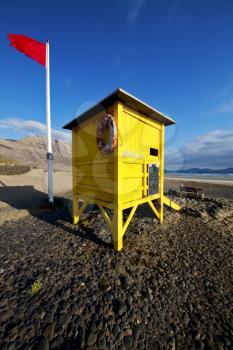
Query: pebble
[115,330]
[127,341]
[146,297]
[48,318]
[172,342]
[57,342]
[5,315]
[48,331]
[43,344]
[186,319]
[136,330]
[122,308]
[91,339]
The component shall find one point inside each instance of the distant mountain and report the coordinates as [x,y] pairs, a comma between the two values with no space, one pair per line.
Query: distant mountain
[32,150]
[201,171]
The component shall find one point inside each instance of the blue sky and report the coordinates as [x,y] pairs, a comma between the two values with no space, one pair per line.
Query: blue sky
[175,55]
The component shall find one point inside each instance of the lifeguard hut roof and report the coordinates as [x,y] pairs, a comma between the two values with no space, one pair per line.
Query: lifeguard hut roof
[127,99]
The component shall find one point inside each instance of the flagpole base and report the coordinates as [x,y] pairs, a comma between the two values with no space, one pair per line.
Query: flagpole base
[50,177]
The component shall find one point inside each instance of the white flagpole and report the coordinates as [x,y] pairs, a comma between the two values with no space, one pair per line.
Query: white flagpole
[48,119]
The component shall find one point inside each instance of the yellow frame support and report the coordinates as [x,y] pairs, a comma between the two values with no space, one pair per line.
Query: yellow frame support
[74,157]
[118,212]
[171,203]
[126,224]
[161,174]
[153,208]
[106,217]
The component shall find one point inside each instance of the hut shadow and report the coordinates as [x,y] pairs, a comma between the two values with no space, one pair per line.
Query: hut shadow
[59,215]
[36,203]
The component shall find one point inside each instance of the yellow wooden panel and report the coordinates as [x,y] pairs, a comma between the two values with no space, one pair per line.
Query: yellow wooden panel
[141,117]
[137,137]
[96,195]
[132,168]
[95,168]
[86,144]
[151,139]
[132,182]
[95,181]
[130,196]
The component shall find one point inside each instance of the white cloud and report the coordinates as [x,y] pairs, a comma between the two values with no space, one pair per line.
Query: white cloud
[226,107]
[32,127]
[212,150]
[135,7]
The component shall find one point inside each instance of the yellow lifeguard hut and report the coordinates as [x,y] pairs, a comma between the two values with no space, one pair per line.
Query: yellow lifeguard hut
[125,171]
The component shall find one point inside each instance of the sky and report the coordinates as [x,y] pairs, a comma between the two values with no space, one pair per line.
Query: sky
[175,55]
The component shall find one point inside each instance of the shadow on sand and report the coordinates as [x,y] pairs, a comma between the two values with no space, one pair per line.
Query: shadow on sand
[59,214]
[36,203]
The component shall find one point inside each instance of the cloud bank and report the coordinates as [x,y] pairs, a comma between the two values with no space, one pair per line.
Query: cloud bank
[32,127]
[212,150]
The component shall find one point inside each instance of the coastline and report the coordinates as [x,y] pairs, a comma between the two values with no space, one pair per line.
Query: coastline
[213,179]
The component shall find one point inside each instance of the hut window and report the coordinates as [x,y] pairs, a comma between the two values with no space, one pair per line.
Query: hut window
[154,152]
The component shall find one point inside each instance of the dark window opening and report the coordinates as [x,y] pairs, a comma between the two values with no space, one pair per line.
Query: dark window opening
[154,152]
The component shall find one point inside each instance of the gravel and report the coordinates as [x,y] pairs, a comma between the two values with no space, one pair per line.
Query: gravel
[170,288]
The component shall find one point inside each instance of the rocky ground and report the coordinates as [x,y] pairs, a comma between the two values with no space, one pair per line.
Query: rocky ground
[170,288]
[210,189]
[11,167]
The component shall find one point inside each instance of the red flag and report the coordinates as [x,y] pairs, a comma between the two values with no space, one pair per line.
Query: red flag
[29,47]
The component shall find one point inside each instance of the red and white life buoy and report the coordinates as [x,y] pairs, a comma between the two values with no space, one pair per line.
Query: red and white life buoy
[106,122]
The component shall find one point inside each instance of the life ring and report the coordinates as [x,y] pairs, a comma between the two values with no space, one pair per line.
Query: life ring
[106,122]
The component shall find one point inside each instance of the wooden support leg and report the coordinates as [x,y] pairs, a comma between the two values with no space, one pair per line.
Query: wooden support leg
[161,174]
[126,224]
[106,217]
[75,209]
[118,229]
[171,204]
[161,210]
[154,209]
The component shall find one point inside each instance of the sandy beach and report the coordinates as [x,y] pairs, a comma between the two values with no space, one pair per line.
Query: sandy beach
[216,180]
[22,195]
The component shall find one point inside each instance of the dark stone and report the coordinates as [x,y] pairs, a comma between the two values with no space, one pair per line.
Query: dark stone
[64,319]
[31,332]
[5,315]
[81,338]
[127,341]
[36,324]
[43,344]
[121,309]
[91,339]
[74,309]
[116,330]
[48,331]
[136,330]
[103,343]
[99,324]
[109,297]
[58,341]
[172,342]
[48,318]
[186,319]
